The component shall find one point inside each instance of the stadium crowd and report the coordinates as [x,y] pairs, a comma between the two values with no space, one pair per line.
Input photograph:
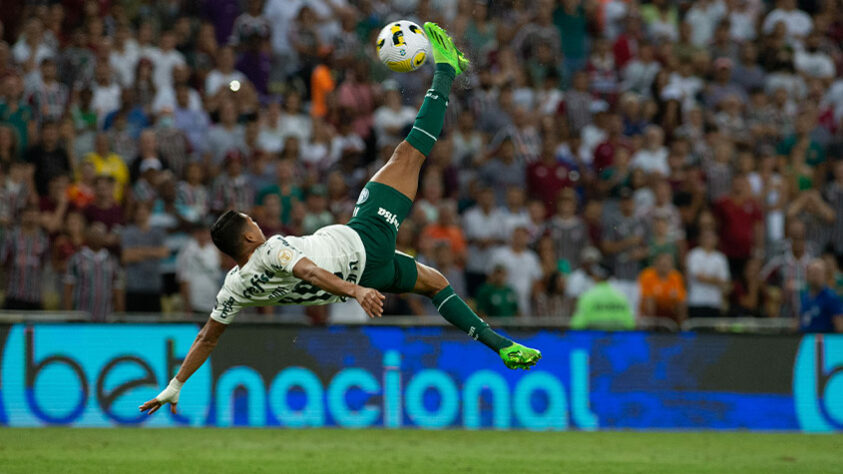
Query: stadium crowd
[689,151]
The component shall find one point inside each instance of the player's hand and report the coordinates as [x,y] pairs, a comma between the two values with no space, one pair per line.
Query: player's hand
[168,395]
[370,300]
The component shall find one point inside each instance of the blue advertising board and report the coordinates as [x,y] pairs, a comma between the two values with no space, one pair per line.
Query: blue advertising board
[97,375]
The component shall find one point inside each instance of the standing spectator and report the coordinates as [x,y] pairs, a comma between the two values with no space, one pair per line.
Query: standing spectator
[192,121]
[708,277]
[663,290]
[49,157]
[224,75]
[568,230]
[446,230]
[392,117]
[496,298]
[523,268]
[652,158]
[785,275]
[106,93]
[166,59]
[624,243]
[225,136]
[198,271]
[49,97]
[821,310]
[503,171]
[192,194]
[94,281]
[142,250]
[514,213]
[483,233]
[25,251]
[104,209]
[797,23]
[547,177]
[231,189]
[741,225]
[109,163]
[14,111]
[578,102]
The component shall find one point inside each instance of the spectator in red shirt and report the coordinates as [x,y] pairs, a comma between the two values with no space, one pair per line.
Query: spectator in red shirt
[547,177]
[741,224]
[604,154]
[105,209]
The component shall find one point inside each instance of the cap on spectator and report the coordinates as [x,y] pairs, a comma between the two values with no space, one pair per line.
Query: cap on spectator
[722,63]
[625,193]
[150,164]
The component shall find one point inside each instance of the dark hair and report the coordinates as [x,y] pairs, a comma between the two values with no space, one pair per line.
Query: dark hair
[226,233]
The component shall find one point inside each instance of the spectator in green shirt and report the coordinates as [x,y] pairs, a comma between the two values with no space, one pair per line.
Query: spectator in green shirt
[495,298]
[602,306]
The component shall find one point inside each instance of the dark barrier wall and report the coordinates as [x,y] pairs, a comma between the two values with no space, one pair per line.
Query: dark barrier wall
[97,375]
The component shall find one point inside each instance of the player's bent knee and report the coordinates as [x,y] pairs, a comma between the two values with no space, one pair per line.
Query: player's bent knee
[430,281]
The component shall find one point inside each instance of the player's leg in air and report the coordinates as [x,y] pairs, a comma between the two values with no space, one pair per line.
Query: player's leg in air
[386,201]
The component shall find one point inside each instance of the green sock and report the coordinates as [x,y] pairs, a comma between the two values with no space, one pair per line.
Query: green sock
[456,312]
[431,116]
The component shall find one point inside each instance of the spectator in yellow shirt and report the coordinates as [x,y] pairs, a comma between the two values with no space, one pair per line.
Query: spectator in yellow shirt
[109,163]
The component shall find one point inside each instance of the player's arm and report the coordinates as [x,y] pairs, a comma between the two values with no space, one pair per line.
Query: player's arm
[371,300]
[202,347]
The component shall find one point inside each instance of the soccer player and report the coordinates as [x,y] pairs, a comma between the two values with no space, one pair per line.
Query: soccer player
[357,260]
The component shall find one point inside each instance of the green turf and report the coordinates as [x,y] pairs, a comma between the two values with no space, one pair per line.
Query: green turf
[408,451]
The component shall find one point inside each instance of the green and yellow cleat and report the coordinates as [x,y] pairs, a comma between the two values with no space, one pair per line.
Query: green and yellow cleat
[443,47]
[517,356]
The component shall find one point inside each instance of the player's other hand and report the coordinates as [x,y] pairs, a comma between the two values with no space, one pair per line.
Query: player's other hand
[370,300]
[168,395]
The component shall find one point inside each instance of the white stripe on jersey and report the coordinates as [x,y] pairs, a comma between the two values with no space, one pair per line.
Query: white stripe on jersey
[267,278]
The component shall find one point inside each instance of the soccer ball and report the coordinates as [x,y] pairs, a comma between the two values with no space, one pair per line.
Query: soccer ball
[403,46]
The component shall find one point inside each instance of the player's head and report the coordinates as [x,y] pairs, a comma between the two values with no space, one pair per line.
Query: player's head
[235,233]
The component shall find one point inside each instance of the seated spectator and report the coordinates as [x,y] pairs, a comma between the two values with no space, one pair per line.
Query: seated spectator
[522,265]
[142,250]
[198,271]
[602,306]
[496,298]
[821,310]
[625,245]
[94,280]
[662,290]
[708,277]
[23,255]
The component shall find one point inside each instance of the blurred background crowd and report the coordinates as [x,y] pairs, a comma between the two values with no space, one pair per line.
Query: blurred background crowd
[681,156]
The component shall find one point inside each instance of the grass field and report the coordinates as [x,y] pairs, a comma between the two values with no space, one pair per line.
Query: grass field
[406,451]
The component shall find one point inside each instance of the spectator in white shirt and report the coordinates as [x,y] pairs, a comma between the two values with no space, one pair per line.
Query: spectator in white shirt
[198,271]
[514,214]
[106,92]
[484,232]
[31,49]
[224,74]
[652,158]
[797,23]
[124,56]
[522,265]
[166,59]
[812,62]
[638,74]
[708,277]
[703,16]
[392,117]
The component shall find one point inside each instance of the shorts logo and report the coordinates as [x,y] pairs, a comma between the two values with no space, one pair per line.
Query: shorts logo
[389,217]
[364,196]
[285,256]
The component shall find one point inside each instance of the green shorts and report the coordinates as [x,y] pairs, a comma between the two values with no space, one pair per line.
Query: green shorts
[378,214]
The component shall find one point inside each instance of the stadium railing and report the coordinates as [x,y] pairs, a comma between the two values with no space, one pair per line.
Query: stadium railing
[753,325]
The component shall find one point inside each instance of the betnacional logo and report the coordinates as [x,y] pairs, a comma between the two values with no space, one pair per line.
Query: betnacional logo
[818,383]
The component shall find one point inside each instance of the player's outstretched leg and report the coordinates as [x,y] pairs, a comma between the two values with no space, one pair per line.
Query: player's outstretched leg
[402,170]
[434,285]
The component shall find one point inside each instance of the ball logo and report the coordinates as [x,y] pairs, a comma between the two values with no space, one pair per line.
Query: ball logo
[818,383]
[285,256]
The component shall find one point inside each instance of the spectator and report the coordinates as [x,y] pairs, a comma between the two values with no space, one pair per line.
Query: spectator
[503,171]
[522,265]
[94,281]
[568,231]
[446,230]
[317,215]
[104,209]
[496,298]
[198,271]
[224,75]
[483,233]
[708,277]
[834,195]
[821,310]
[225,136]
[392,117]
[785,274]
[14,111]
[550,301]
[49,158]
[624,244]
[49,97]
[110,164]
[662,290]
[741,225]
[24,253]
[142,250]
[547,177]
[602,306]
[231,189]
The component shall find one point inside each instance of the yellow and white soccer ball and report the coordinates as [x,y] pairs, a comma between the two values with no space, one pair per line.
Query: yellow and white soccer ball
[403,46]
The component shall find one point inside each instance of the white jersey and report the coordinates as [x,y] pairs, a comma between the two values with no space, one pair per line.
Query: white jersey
[267,278]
